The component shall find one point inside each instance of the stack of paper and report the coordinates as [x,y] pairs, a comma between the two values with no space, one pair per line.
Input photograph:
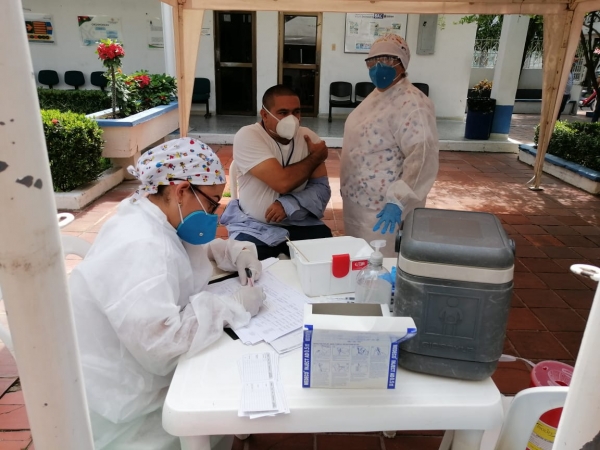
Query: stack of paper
[262,391]
[280,318]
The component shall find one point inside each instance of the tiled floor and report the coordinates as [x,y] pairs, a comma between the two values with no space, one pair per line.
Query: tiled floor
[553,229]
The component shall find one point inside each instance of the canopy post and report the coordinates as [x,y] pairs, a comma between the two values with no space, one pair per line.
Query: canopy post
[187,25]
[32,267]
[561,36]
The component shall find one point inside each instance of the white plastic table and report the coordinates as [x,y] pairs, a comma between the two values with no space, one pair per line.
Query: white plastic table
[204,397]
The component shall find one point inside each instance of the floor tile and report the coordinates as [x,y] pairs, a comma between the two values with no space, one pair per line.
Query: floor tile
[511,377]
[587,230]
[14,417]
[12,398]
[16,445]
[530,251]
[514,219]
[576,241]
[572,220]
[584,313]
[529,229]
[15,436]
[413,443]
[545,221]
[523,319]
[561,281]
[560,319]
[348,442]
[523,280]
[580,299]
[571,340]
[542,265]
[560,230]
[5,383]
[588,253]
[559,252]
[544,240]
[280,441]
[540,298]
[537,345]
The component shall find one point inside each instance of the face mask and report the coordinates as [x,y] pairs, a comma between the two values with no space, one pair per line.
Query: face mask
[286,127]
[198,227]
[382,75]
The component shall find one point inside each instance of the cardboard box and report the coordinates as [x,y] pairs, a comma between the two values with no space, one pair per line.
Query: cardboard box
[329,266]
[352,345]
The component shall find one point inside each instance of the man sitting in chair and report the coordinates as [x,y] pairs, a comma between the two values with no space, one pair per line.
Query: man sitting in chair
[283,184]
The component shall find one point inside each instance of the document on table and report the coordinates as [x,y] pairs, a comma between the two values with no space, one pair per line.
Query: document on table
[262,391]
[281,313]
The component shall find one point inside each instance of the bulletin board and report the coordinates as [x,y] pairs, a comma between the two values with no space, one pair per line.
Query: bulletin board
[94,28]
[362,29]
[39,28]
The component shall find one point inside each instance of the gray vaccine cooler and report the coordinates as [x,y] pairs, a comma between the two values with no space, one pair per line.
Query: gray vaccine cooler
[455,279]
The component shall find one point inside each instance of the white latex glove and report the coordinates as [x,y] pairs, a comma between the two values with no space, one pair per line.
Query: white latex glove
[247,260]
[251,298]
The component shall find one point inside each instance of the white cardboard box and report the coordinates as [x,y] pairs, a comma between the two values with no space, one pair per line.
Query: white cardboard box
[329,266]
[352,345]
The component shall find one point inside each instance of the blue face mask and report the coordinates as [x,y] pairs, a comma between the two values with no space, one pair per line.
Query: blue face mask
[382,75]
[198,227]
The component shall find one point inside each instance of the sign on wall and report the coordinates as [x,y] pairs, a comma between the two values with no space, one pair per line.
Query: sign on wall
[155,33]
[362,29]
[94,28]
[39,28]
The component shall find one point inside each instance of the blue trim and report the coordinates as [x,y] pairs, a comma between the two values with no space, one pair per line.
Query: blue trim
[136,119]
[590,174]
[306,353]
[502,117]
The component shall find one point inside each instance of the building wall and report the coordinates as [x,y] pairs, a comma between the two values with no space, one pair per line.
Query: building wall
[530,78]
[69,54]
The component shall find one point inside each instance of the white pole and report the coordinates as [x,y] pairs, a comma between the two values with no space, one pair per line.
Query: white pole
[32,269]
[168,39]
[580,419]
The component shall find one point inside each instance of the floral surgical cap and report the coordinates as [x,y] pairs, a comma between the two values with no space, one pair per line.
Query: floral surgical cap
[183,159]
[391,44]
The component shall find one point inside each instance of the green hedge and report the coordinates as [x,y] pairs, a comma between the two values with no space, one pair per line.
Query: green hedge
[83,102]
[74,148]
[577,142]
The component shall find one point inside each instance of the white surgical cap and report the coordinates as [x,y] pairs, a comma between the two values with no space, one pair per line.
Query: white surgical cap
[183,159]
[393,45]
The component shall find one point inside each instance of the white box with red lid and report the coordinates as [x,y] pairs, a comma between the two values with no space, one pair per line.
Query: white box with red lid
[329,266]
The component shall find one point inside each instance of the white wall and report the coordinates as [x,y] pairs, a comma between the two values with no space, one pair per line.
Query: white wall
[267,36]
[447,71]
[69,54]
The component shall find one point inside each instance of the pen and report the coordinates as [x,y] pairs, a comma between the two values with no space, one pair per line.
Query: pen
[249,275]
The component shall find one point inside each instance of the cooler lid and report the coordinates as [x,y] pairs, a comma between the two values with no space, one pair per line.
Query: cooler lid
[463,238]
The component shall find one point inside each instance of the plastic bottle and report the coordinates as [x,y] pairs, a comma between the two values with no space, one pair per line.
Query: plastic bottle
[372,282]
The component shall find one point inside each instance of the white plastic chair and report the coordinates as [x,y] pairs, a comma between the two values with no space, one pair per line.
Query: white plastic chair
[72,245]
[65,219]
[521,415]
[233,186]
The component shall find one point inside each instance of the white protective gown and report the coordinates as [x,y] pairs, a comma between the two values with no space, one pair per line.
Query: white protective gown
[389,155]
[138,304]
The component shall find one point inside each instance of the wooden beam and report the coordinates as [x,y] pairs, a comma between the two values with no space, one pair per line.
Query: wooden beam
[387,6]
[561,36]
[187,25]
[173,3]
[588,5]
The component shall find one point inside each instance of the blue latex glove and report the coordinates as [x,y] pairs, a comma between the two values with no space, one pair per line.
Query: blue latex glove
[389,216]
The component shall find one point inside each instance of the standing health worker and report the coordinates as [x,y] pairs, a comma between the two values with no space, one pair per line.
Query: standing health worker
[390,150]
[139,295]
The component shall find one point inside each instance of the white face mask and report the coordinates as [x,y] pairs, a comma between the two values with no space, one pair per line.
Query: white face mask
[286,127]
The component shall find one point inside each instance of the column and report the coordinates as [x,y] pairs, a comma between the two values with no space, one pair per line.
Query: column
[508,70]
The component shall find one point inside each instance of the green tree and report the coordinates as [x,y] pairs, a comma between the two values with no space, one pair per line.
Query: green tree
[589,39]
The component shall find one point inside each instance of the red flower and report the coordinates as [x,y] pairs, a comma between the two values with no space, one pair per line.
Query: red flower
[142,80]
[110,51]
[55,121]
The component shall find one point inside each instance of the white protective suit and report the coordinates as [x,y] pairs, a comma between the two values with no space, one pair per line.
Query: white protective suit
[138,305]
[389,155]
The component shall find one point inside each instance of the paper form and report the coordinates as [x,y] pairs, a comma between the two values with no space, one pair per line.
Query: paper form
[281,313]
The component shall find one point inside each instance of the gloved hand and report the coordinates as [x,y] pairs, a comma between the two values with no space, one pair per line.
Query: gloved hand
[247,260]
[251,298]
[389,216]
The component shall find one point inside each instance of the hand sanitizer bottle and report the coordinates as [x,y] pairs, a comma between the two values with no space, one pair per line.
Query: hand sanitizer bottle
[373,282]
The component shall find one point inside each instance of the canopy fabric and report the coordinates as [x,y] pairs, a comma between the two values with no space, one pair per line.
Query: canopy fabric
[563,20]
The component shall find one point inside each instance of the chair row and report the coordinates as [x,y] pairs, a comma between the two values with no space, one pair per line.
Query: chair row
[342,91]
[73,78]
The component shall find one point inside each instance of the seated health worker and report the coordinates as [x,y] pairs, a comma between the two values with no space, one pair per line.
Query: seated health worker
[390,152]
[138,296]
[283,184]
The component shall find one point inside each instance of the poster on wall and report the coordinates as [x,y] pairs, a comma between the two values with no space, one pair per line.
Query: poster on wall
[39,28]
[155,33]
[362,29]
[94,28]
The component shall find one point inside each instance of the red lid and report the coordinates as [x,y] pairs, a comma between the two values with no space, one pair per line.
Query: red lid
[551,373]
[340,265]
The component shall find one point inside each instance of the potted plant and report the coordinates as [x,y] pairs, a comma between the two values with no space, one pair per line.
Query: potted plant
[480,111]
[144,108]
